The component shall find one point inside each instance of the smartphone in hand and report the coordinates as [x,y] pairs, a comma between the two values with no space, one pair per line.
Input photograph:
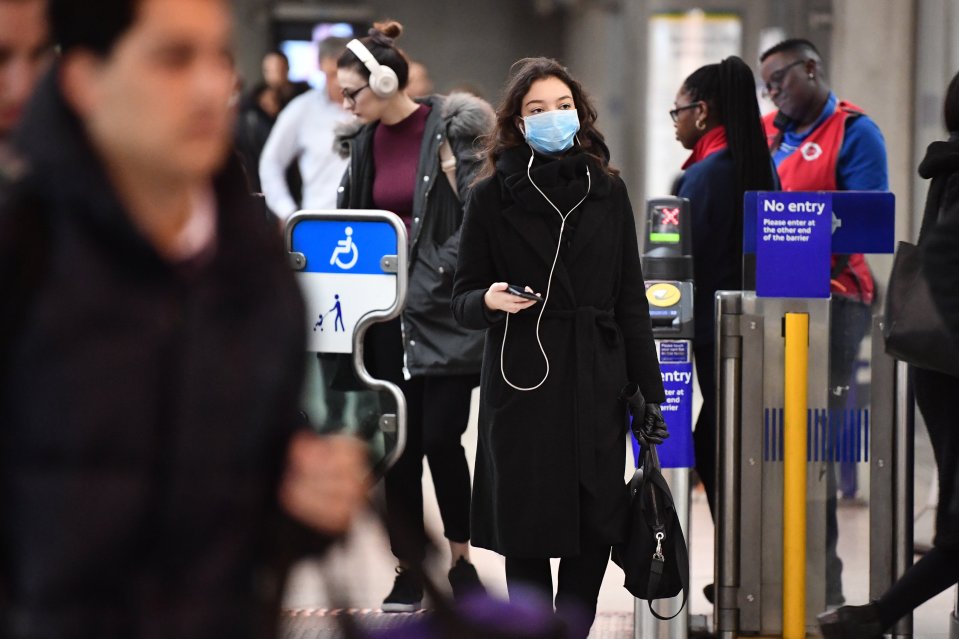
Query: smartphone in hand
[520,291]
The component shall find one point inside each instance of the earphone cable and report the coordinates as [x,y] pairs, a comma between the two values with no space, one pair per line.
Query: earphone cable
[549,280]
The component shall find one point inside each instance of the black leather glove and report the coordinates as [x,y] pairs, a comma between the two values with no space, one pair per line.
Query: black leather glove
[654,426]
[648,424]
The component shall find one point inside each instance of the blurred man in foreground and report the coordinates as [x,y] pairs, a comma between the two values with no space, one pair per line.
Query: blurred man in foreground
[150,348]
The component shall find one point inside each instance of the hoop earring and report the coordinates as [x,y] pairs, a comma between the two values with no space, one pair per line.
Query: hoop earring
[701,125]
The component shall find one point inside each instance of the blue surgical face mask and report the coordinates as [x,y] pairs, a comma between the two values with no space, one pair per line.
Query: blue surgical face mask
[551,132]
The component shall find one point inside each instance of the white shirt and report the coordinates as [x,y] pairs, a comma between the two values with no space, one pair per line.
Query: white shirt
[198,233]
[303,130]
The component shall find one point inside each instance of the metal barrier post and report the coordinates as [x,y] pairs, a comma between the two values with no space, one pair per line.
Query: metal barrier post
[954,619]
[333,249]
[729,391]
[891,474]
[903,492]
[646,626]
[794,489]
[882,471]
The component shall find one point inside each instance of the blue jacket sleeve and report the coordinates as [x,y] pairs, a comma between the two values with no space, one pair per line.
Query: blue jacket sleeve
[862,162]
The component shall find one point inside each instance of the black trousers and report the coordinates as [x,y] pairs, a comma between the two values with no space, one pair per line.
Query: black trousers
[705,435]
[437,414]
[438,409]
[936,396]
[580,578]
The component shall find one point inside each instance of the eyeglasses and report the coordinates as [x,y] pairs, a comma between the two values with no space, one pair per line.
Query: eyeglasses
[674,114]
[350,96]
[776,78]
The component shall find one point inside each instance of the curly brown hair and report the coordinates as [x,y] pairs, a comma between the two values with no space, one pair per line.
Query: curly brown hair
[506,134]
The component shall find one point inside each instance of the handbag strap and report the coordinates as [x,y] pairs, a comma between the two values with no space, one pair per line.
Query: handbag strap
[928,219]
[679,550]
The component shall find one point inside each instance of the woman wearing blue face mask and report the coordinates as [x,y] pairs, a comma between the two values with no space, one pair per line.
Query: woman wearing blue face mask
[550,215]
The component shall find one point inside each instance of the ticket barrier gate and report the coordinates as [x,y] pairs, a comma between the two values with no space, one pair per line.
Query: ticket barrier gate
[779,436]
[352,270]
[668,270]
[750,585]
[954,620]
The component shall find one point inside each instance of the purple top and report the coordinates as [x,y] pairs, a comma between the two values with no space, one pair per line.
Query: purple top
[396,158]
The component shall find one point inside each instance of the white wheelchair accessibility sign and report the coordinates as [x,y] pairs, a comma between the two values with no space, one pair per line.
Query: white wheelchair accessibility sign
[345,247]
[347,270]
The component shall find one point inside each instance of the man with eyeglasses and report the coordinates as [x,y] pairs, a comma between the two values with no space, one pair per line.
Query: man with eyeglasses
[304,133]
[820,143]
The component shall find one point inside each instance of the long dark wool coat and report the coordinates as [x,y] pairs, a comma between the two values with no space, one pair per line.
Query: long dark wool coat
[549,464]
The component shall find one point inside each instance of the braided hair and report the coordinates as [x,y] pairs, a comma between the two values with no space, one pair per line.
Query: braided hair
[730,91]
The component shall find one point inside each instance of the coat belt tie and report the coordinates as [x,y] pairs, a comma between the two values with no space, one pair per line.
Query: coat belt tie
[590,325]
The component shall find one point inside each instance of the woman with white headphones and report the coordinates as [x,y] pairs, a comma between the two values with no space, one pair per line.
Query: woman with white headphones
[549,266]
[417,159]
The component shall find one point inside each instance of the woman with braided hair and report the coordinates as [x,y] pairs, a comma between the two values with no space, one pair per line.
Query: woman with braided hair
[717,118]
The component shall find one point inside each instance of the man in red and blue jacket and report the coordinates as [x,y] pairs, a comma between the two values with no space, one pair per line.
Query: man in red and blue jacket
[820,143]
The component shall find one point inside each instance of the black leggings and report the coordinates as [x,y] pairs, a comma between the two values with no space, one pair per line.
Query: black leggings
[704,437]
[936,397]
[929,576]
[438,410]
[580,578]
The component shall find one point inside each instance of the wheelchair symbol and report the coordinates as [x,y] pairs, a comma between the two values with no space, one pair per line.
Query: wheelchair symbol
[345,246]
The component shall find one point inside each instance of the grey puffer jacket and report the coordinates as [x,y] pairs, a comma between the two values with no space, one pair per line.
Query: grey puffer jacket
[433,342]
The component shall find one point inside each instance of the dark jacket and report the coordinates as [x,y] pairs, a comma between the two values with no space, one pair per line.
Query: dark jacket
[434,344]
[936,392]
[710,185]
[940,241]
[549,463]
[145,410]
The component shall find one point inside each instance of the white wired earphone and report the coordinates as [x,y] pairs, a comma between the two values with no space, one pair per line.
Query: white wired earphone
[549,280]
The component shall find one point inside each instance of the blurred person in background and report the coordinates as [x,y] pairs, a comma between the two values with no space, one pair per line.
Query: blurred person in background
[420,84]
[417,159]
[276,76]
[937,396]
[303,134]
[152,343]
[25,51]
[259,110]
[821,143]
[552,421]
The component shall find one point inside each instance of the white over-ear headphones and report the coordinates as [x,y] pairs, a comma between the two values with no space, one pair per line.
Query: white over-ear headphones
[383,80]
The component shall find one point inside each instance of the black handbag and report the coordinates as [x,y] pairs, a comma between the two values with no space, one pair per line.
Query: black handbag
[913,329]
[654,555]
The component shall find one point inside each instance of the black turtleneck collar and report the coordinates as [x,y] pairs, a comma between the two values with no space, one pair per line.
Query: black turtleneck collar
[563,179]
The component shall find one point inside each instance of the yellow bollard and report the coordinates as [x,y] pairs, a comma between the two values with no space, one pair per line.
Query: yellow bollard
[794,475]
